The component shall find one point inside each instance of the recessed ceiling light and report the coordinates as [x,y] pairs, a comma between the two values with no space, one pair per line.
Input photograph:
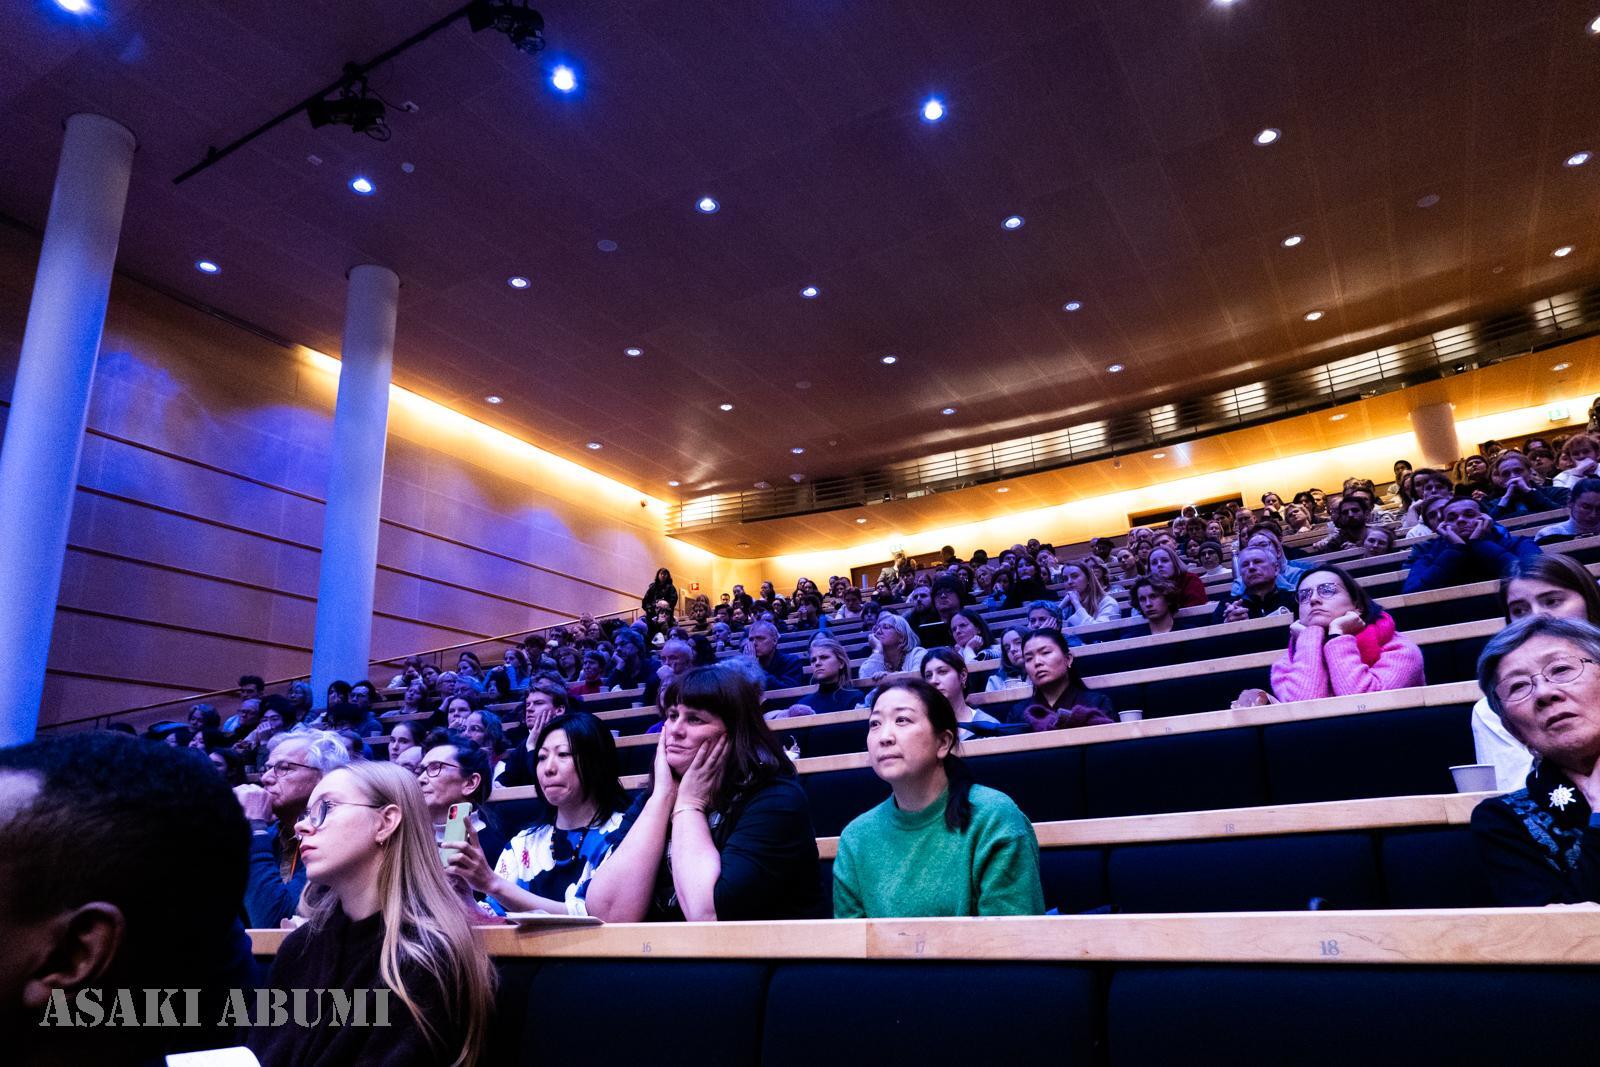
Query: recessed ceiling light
[797,450]
[1115,368]
[1338,418]
[493,400]
[1293,239]
[1594,25]
[1013,222]
[726,407]
[933,110]
[1159,455]
[1560,367]
[674,483]
[1563,252]
[706,205]
[606,244]
[861,522]
[593,446]
[633,352]
[563,78]
[517,281]
[948,411]
[75,7]
[1003,489]
[362,186]
[1268,136]
[802,385]
[1072,305]
[810,292]
[1429,200]
[889,361]
[1577,159]
[1313,316]
[205,266]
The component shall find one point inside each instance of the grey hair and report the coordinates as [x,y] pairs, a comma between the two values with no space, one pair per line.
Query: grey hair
[1583,634]
[762,624]
[325,750]
[748,666]
[678,642]
[908,636]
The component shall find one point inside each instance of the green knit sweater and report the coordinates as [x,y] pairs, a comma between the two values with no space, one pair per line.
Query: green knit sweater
[896,863]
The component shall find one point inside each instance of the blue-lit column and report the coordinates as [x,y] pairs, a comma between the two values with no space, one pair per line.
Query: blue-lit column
[50,403]
[343,641]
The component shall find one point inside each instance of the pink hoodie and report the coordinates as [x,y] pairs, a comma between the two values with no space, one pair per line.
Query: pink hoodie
[1375,660]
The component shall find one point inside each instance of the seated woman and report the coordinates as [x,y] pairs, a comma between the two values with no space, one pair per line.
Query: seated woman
[382,914]
[1555,586]
[545,701]
[1059,700]
[973,638]
[1157,604]
[1541,844]
[1086,600]
[1296,518]
[1027,585]
[946,671]
[1342,643]
[1377,541]
[548,866]
[1212,569]
[895,648]
[1166,566]
[830,669]
[940,844]
[591,674]
[1010,673]
[455,769]
[723,830]
[403,736]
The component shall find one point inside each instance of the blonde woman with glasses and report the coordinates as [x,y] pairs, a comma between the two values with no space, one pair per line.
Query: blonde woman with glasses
[382,915]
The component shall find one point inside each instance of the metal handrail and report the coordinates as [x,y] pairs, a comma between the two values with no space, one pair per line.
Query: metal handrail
[1436,355]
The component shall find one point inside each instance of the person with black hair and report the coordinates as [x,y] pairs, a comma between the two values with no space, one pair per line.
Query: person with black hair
[1343,642]
[548,866]
[96,830]
[663,589]
[1059,700]
[456,768]
[940,844]
[723,831]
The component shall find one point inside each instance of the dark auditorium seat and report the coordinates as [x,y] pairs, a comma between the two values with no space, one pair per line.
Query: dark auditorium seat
[1343,1014]
[1182,772]
[931,1014]
[1378,754]
[1433,867]
[1278,873]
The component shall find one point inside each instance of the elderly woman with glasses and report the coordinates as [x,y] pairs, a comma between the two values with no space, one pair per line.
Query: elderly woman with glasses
[1342,643]
[1541,844]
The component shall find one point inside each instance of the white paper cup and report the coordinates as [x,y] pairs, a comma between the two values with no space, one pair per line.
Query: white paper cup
[1474,777]
[1130,716]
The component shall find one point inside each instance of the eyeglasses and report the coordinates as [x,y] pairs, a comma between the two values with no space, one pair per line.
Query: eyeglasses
[1562,671]
[284,767]
[317,814]
[1325,590]
[432,769]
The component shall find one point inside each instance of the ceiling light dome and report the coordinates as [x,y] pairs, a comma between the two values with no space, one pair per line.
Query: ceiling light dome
[1013,222]
[707,205]
[362,186]
[1293,240]
[948,411]
[1563,252]
[593,446]
[933,110]
[725,407]
[563,78]
[889,361]
[810,292]
[1578,159]
[633,353]
[1268,136]
[205,266]
[517,281]
[1115,368]
[1313,316]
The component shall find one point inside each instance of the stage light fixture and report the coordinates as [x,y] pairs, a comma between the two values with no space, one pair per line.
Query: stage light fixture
[355,107]
[518,21]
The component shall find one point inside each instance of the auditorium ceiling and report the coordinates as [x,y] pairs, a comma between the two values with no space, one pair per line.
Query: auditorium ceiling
[1422,161]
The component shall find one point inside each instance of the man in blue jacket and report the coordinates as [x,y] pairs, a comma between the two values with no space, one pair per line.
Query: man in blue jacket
[783,670]
[293,768]
[1470,547]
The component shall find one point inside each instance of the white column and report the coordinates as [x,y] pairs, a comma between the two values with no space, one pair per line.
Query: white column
[1435,429]
[50,403]
[343,641]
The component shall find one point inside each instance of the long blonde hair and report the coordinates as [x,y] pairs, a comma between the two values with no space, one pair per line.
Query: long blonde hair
[424,924]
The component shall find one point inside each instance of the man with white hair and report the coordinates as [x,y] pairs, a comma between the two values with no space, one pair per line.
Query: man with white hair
[783,670]
[295,763]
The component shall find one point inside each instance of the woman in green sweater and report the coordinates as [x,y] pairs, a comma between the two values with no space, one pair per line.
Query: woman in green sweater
[942,844]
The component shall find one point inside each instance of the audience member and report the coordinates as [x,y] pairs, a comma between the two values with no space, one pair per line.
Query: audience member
[1583,514]
[1518,495]
[403,736]
[591,674]
[121,867]
[972,636]
[1350,520]
[1258,570]
[1044,614]
[1378,541]
[383,916]
[895,648]
[455,769]
[1059,699]
[723,796]
[946,671]
[546,700]
[783,670]
[1009,674]
[830,670]
[940,844]
[1086,600]
[1469,547]
[1541,844]
[295,763]
[1578,458]
[1157,604]
[1342,643]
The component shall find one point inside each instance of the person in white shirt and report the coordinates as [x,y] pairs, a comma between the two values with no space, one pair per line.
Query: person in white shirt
[1009,675]
[1583,513]
[1085,600]
[946,671]
[1553,585]
[1581,454]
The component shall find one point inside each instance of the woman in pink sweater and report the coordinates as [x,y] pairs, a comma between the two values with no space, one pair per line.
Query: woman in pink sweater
[1342,643]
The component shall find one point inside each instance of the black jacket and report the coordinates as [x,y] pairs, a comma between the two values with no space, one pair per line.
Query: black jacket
[1540,845]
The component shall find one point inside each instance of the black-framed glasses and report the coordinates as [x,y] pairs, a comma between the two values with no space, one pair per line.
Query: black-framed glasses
[432,770]
[1325,590]
[1562,671]
[284,767]
[317,814]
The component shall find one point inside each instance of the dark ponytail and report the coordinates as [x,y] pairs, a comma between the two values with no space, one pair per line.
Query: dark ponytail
[942,717]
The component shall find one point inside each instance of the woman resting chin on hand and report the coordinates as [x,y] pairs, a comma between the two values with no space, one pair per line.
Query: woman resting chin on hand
[1342,643]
